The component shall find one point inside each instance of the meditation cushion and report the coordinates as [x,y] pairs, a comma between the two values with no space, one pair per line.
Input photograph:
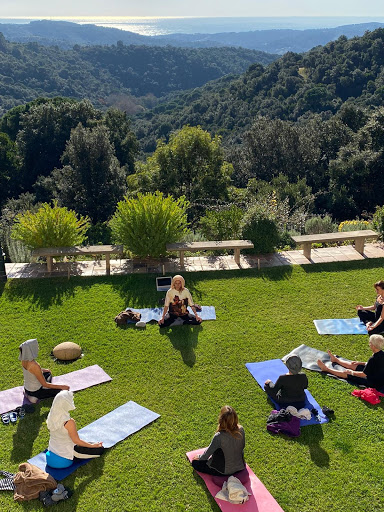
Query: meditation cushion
[67,351]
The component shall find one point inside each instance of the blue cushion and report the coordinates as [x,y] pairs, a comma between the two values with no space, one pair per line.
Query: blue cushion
[55,461]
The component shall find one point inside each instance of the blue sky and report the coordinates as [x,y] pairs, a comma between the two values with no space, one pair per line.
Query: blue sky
[67,8]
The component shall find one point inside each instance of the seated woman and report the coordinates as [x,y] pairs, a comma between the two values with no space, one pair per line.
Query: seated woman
[64,441]
[289,388]
[177,300]
[37,380]
[370,374]
[373,316]
[225,454]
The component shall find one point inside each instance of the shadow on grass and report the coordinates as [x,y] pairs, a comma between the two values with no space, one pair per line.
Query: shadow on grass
[26,432]
[311,436]
[366,264]
[184,338]
[211,499]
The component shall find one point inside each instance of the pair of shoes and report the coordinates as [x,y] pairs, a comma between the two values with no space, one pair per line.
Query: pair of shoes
[60,493]
[20,411]
[327,411]
[5,418]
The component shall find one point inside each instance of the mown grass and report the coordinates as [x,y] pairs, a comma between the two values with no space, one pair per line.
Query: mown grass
[186,375]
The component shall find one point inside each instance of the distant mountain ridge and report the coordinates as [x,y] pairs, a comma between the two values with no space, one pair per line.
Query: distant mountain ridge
[277,41]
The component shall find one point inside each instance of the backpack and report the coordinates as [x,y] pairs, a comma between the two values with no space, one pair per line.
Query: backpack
[127,316]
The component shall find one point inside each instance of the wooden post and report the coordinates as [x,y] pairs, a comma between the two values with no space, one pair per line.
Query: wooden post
[49,263]
[359,245]
[307,249]
[236,253]
[181,258]
[108,264]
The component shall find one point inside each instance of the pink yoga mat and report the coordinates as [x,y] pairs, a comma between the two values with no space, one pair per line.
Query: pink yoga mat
[77,380]
[261,499]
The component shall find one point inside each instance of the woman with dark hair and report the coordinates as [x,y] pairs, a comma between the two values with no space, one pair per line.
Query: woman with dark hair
[64,441]
[369,374]
[176,304]
[37,380]
[373,316]
[225,454]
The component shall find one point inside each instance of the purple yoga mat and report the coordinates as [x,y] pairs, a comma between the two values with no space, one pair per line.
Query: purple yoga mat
[77,380]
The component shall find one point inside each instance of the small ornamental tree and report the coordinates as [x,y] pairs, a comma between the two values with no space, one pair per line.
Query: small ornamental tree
[50,226]
[146,224]
[260,227]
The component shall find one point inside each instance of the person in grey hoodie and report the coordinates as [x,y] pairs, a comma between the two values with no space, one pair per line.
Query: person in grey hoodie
[225,454]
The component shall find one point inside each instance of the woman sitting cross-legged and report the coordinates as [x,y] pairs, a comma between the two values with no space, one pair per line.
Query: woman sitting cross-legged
[37,380]
[177,300]
[64,442]
[373,316]
[289,389]
[225,454]
[369,374]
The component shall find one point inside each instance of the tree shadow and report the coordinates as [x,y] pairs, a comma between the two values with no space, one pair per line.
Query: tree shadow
[184,338]
[26,432]
[340,266]
[202,484]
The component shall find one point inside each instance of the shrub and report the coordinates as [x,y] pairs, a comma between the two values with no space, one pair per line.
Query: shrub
[50,226]
[222,224]
[146,224]
[318,224]
[378,220]
[261,229]
[354,225]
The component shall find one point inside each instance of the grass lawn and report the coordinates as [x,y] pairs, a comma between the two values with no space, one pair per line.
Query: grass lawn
[186,374]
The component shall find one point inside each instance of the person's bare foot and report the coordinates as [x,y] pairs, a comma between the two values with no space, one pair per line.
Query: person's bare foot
[333,358]
[322,366]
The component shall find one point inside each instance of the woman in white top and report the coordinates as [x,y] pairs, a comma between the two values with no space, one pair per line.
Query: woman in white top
[64,441]
[37,380]
[176,304]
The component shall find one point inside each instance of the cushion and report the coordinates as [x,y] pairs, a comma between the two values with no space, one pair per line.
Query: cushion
[67,351]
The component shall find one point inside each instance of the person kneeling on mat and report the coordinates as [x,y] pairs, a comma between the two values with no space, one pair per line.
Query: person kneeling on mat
[289,388]
[373,316]
[37,380]
[369,374]
[177,300]
[225,454]
[65,444]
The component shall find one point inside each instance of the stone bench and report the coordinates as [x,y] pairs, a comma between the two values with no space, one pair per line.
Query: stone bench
[235,245]
[56,252]
[359,238]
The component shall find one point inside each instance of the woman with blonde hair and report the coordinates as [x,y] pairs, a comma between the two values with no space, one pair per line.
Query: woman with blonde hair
[225,454]
[177,300]
[369,374]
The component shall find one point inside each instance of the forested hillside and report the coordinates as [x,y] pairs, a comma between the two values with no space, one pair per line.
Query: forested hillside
[293,87]
[112,75]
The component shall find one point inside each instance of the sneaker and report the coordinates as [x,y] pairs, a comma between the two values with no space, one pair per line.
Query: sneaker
[141,324]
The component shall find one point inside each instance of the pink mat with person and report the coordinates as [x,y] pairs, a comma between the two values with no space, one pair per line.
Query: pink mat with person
[77,380]
[261,500]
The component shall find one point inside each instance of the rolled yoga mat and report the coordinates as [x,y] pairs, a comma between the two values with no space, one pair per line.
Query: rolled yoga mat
[261,500]
[109,429]
[272,370]
[148,314]
[340,326]
[77,380]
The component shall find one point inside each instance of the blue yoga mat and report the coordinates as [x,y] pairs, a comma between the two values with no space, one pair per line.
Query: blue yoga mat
[272,370]
[110,429]
[340,326]
[148,314]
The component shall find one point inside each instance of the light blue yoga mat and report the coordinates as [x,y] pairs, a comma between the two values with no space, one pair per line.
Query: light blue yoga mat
[340,326]
[110,429]
[148,314]
[272,370]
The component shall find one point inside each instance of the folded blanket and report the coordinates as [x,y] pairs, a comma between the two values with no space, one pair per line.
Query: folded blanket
[233,491]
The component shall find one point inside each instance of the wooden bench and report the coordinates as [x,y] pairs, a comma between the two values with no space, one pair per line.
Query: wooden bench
[359,238]
[55,252]
[235,245]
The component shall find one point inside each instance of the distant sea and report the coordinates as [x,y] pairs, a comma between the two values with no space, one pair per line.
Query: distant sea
[163,26]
